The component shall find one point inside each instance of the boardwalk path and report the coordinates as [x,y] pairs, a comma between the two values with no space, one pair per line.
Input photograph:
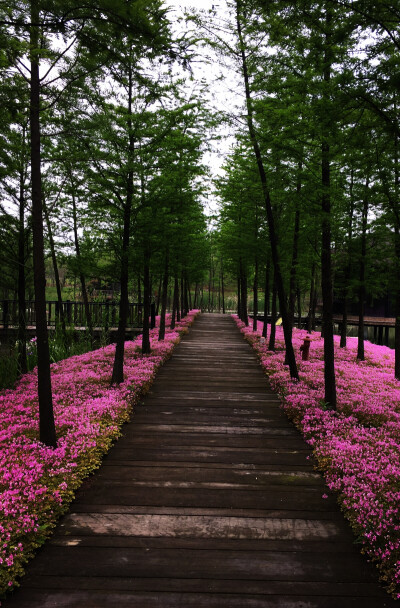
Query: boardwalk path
[208,501]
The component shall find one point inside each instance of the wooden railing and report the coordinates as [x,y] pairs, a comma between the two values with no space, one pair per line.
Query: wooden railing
[104,314]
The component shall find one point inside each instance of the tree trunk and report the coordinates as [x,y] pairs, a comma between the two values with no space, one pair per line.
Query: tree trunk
[56,274]
[161,333]
[272,335]
[298,308]
[196,292]
[295,251]
[397,307]
[326,260]
[266,299]
[326,284]
[188,295]
[82,278]
[255,296]
[239,302]
[183,311]
[397,250]
[243,295]
[118,368]
[347,277]
[175,303]
[222,287]
[22,360]
[146,349]
[47,431]
[209,286]
[361,289]
[270,217]
[159,296]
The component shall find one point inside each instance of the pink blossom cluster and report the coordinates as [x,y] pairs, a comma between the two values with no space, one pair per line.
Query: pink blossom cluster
[358,446]
[36,482]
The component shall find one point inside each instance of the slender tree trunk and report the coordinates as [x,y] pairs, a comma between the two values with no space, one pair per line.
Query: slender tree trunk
[239,302]
[347,277]
[82,278]
[298,307]
[295,250]
[183,311]
[56,274]
[397,307]
[326,283]
[361,289]
[243,296]
[222,287]
[397,250]
[22,360]
[188,295]
[161,333]
[175,304]
[268,207]
[146,349]
[272,335]
[255,296]
[47,431]
[310,305]
[118,368]
[159,296]
[326,260]
[266,299]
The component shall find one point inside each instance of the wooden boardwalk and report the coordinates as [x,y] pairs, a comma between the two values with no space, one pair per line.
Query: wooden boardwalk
[208,501]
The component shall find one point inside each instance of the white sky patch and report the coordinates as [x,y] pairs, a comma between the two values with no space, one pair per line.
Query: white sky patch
[225,91]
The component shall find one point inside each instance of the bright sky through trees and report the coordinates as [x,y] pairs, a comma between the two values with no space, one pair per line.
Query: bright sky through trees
[224,93]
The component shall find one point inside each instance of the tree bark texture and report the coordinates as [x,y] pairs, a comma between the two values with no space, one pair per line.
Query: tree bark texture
[82,277]
[146,307]
[47,431]
[255,295]
[266,299]
[361,289]
[347,275]
[272,335]
[22,360]
[164,295]
[326,258]
[60,312]
[287,330]
[118,368]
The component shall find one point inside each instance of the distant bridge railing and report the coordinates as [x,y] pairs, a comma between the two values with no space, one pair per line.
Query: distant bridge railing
[104,314]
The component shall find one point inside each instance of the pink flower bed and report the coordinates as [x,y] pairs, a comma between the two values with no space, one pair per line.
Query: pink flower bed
[37,483]
[356,447]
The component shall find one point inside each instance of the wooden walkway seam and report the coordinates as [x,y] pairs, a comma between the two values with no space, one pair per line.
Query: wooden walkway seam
[209,500]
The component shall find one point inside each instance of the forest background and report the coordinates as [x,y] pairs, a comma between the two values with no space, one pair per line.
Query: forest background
[106,124]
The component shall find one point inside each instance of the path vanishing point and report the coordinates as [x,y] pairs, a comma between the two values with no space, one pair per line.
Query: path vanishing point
[209,500]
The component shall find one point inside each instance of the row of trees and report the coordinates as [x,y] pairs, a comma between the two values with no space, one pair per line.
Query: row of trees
[100,159]
[101,154]
[311,191]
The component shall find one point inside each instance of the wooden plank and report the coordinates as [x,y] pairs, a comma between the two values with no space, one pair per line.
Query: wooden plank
[204,455]
[200,526]
[268,588]
[184,563]
[118,599]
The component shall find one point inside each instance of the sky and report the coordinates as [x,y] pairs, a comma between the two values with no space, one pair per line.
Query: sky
[222,95]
